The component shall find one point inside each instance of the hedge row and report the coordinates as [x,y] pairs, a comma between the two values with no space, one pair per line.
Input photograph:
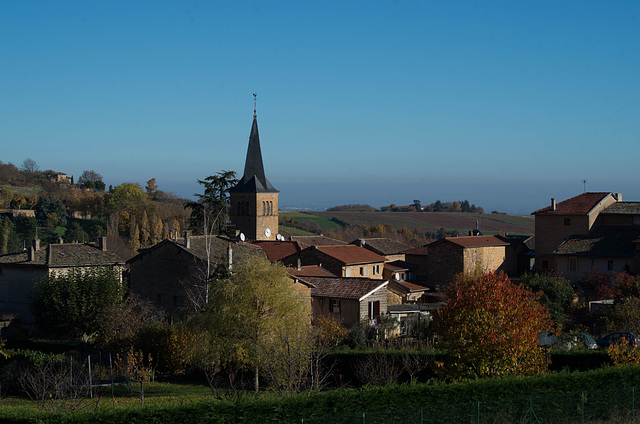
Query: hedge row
[350,401]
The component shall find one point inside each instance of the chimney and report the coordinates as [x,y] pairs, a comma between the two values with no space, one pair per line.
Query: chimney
[362,242]
[553,203]
[299,266]
[229,257]
[31,254]
[60,240]
[103,244]
[187,240]
[36,244]
[618,197]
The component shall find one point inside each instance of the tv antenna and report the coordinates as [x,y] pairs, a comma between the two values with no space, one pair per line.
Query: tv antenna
[584,185]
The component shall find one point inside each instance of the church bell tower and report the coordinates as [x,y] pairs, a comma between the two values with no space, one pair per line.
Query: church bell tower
[254,201]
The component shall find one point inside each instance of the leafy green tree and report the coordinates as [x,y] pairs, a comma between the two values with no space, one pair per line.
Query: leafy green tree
[127,197]
[489,328]
[25,231]
[555,292]
[625,315]
[73,303]
[48,205]
[91,179]
[75,232]
[210,212]
[258,320]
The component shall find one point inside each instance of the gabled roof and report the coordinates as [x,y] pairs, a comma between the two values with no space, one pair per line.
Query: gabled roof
[581,204]
[474,241]
[400,266]
[622,208]
[276,250]
[317,240]
[344,287]
[198,247]
[412,287]
[310,271]
[349,254]
[380,245]
[254,179]
[605,242]
[65,255]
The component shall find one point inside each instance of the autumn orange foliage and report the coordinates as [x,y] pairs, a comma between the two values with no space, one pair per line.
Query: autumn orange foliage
[489,328]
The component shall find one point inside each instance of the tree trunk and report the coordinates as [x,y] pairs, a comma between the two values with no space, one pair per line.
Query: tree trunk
[257,381]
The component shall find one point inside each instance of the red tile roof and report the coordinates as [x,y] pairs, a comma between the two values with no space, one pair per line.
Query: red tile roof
[578,205]
[350,254]
[276,250]
[478,241]
[423,250]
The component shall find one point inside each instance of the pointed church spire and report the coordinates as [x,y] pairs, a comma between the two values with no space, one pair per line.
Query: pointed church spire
[254,179]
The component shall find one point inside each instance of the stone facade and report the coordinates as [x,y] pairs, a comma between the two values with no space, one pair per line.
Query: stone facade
[254,213]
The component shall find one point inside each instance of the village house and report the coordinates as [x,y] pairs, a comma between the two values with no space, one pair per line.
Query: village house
[592,232]
[349,300]
[171,274]
[19,270]
[467,255]
[390,249]
[341,260]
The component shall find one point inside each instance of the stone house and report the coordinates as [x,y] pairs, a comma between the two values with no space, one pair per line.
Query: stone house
[341,260]
[171,273]
[558,221]
[419,257]
[350,300]
[454,255]
[19,270]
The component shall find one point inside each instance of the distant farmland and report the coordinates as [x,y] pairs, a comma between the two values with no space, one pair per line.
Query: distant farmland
[421,222]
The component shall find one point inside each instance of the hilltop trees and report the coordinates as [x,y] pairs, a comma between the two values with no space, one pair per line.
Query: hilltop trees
[209,213]
[489,328]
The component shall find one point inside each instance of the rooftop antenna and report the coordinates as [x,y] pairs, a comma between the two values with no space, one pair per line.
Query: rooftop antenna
[584,185]
[255,95]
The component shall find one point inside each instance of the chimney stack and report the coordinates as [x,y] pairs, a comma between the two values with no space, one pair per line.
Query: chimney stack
[618,197]
[187,240]
[103,244]
[31,254]
[553,203]
[36,244]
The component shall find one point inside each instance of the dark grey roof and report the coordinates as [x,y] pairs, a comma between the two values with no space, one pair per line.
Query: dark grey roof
[623,208]
[606,242]
[343,287]
[380,245]
[64,255]
[254,179]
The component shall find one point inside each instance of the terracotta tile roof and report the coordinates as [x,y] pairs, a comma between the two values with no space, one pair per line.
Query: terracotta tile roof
[276,250]
[344,287]
[400,266]
[606,242]
[350,254]
[64,255]
[382,246]
[310,271]
[477,241]
[578,205]
[412,286]
[622,208]
[317,240]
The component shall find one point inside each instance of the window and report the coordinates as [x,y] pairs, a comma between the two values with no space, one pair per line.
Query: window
[334,306]
[567,221]
[610,265]
[374,309]
[363,271]
[376,269]
[347,272]
[573,264]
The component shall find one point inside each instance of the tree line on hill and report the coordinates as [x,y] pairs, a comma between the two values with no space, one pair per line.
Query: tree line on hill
[130,215]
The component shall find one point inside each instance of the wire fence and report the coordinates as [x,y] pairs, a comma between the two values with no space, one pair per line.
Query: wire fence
[603,406]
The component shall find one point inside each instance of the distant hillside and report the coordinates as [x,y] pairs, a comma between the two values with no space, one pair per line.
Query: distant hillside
[422,224]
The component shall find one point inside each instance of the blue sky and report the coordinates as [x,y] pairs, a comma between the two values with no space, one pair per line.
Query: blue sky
[503,103]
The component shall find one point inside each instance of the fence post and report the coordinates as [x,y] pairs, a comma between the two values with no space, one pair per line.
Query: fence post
[582,407]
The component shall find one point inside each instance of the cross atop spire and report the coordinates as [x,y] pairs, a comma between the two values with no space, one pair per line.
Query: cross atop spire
[255,96]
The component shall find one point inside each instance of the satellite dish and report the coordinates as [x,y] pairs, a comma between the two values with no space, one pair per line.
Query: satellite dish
[547,339]
[242,237]
[396,276]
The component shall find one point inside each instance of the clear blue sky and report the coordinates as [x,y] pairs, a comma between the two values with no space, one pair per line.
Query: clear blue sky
[503,103]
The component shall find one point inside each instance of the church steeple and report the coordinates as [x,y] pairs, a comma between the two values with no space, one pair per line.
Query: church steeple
[254,179]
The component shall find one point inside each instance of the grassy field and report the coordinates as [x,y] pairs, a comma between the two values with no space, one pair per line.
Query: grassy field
[420,221]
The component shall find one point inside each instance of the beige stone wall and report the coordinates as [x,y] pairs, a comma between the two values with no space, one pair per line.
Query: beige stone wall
[253,213]
[380,295]
[488,259]
[356,271]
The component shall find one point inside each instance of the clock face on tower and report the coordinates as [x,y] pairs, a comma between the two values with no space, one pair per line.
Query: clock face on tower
[267,232]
